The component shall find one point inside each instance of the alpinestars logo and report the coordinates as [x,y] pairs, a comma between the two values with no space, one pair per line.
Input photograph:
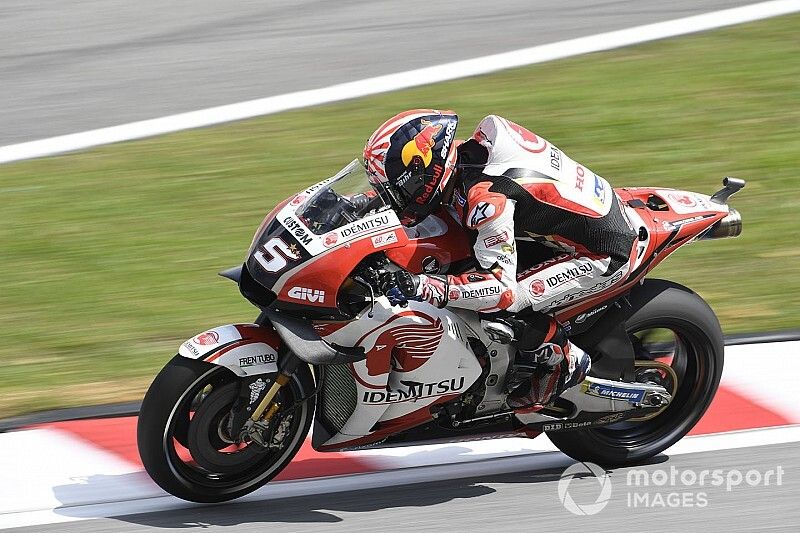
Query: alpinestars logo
[310,295]
[482,211]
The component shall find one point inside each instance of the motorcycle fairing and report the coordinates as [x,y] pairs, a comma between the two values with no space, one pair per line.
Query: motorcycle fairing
[245,349]
[327,270]
[434,246]
[393,393]
[416,357]
[291,254]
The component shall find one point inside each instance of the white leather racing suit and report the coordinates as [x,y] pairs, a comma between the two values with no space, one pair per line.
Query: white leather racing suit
[529,190]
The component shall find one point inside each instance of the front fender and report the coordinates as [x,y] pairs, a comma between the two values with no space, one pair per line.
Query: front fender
[245,349]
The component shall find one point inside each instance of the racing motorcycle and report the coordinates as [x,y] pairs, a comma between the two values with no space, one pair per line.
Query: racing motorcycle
[236,403]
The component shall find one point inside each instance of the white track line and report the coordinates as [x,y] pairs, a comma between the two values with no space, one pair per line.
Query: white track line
[392,82]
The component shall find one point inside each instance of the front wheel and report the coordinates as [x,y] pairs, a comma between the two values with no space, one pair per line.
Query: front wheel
[674,326]
[183,442]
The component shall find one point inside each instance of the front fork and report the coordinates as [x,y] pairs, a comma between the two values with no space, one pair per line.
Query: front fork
[290,362]
[252,423]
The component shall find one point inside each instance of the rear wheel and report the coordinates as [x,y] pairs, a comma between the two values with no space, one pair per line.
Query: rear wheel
[672,326]
[183,440]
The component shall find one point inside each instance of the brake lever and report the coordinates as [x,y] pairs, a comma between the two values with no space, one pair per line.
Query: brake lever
[363,283]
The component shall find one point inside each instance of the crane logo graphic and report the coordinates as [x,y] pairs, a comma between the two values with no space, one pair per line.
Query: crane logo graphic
[584,470]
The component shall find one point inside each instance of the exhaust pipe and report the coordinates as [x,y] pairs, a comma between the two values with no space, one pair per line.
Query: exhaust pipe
[730,226]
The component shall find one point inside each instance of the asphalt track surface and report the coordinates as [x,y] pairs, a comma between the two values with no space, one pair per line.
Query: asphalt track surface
[74,65]
[522,501]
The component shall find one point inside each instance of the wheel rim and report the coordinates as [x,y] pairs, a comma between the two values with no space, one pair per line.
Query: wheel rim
[689,353]
[199,455]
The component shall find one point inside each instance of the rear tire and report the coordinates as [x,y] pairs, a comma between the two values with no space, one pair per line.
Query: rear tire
[181,447]
[698,356]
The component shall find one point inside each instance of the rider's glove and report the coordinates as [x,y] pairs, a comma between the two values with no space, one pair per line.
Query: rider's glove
[402,286]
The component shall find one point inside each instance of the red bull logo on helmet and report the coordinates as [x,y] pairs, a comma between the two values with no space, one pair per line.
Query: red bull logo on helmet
[431,185]
[422,144]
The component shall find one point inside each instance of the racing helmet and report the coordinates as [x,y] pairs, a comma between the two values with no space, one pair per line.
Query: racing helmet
[410,158]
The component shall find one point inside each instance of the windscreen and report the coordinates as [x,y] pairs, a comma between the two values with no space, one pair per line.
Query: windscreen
[346,197]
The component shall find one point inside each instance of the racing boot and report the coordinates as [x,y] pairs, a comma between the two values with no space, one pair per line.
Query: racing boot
[544,372]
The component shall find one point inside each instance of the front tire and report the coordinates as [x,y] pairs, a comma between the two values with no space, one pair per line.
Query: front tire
[697,356]
[181,445]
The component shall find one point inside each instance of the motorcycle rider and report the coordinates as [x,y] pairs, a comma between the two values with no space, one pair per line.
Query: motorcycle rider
[519,196]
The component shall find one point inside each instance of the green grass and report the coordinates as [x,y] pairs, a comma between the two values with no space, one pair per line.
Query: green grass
[109,256]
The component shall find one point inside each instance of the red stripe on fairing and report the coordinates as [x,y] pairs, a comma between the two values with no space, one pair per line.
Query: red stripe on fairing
[731,411]
[227,349]
[264,334]
[329,328]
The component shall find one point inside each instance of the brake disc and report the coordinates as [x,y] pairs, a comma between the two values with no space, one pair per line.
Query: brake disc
[208,442]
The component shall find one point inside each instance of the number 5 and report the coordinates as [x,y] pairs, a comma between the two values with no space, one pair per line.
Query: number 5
[273,256]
